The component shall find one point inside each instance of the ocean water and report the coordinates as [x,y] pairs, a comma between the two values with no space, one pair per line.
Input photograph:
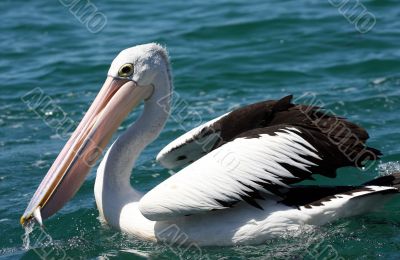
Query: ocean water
[224,54]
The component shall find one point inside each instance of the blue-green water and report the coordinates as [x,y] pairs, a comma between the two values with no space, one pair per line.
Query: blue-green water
[224,54]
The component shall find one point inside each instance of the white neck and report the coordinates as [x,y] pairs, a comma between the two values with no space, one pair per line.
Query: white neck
[112,188]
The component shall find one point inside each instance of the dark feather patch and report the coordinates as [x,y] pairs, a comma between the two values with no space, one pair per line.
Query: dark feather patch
[181,157]
[336,140]
[338,143]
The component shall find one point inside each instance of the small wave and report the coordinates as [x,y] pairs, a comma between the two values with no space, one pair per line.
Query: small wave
[379,81]
[40,164]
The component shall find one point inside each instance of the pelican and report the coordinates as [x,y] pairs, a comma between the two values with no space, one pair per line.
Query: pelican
[241,172]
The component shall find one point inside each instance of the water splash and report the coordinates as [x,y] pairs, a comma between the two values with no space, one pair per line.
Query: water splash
[35,236]
[388,168]
[26,243]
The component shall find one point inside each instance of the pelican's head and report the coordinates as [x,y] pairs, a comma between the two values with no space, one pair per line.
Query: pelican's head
[135,75]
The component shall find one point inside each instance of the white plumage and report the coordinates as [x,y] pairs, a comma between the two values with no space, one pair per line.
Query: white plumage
[225,174]
[240,187]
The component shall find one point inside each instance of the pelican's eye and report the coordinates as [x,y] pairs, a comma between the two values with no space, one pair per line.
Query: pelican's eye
[126,70]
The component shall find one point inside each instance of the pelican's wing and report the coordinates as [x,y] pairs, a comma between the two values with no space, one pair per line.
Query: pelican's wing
[265,160]
[201,140]
[191,146]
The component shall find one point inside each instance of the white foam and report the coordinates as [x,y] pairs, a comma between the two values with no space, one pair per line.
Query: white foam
[388,168]
[26,243]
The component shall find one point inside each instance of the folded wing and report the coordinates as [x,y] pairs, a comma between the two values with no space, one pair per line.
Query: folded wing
[281,144]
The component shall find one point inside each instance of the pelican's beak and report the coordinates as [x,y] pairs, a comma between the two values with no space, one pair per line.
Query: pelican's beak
[114,102]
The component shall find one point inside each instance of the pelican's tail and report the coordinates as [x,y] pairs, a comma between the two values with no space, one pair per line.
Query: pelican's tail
[392,180]
[321,205]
